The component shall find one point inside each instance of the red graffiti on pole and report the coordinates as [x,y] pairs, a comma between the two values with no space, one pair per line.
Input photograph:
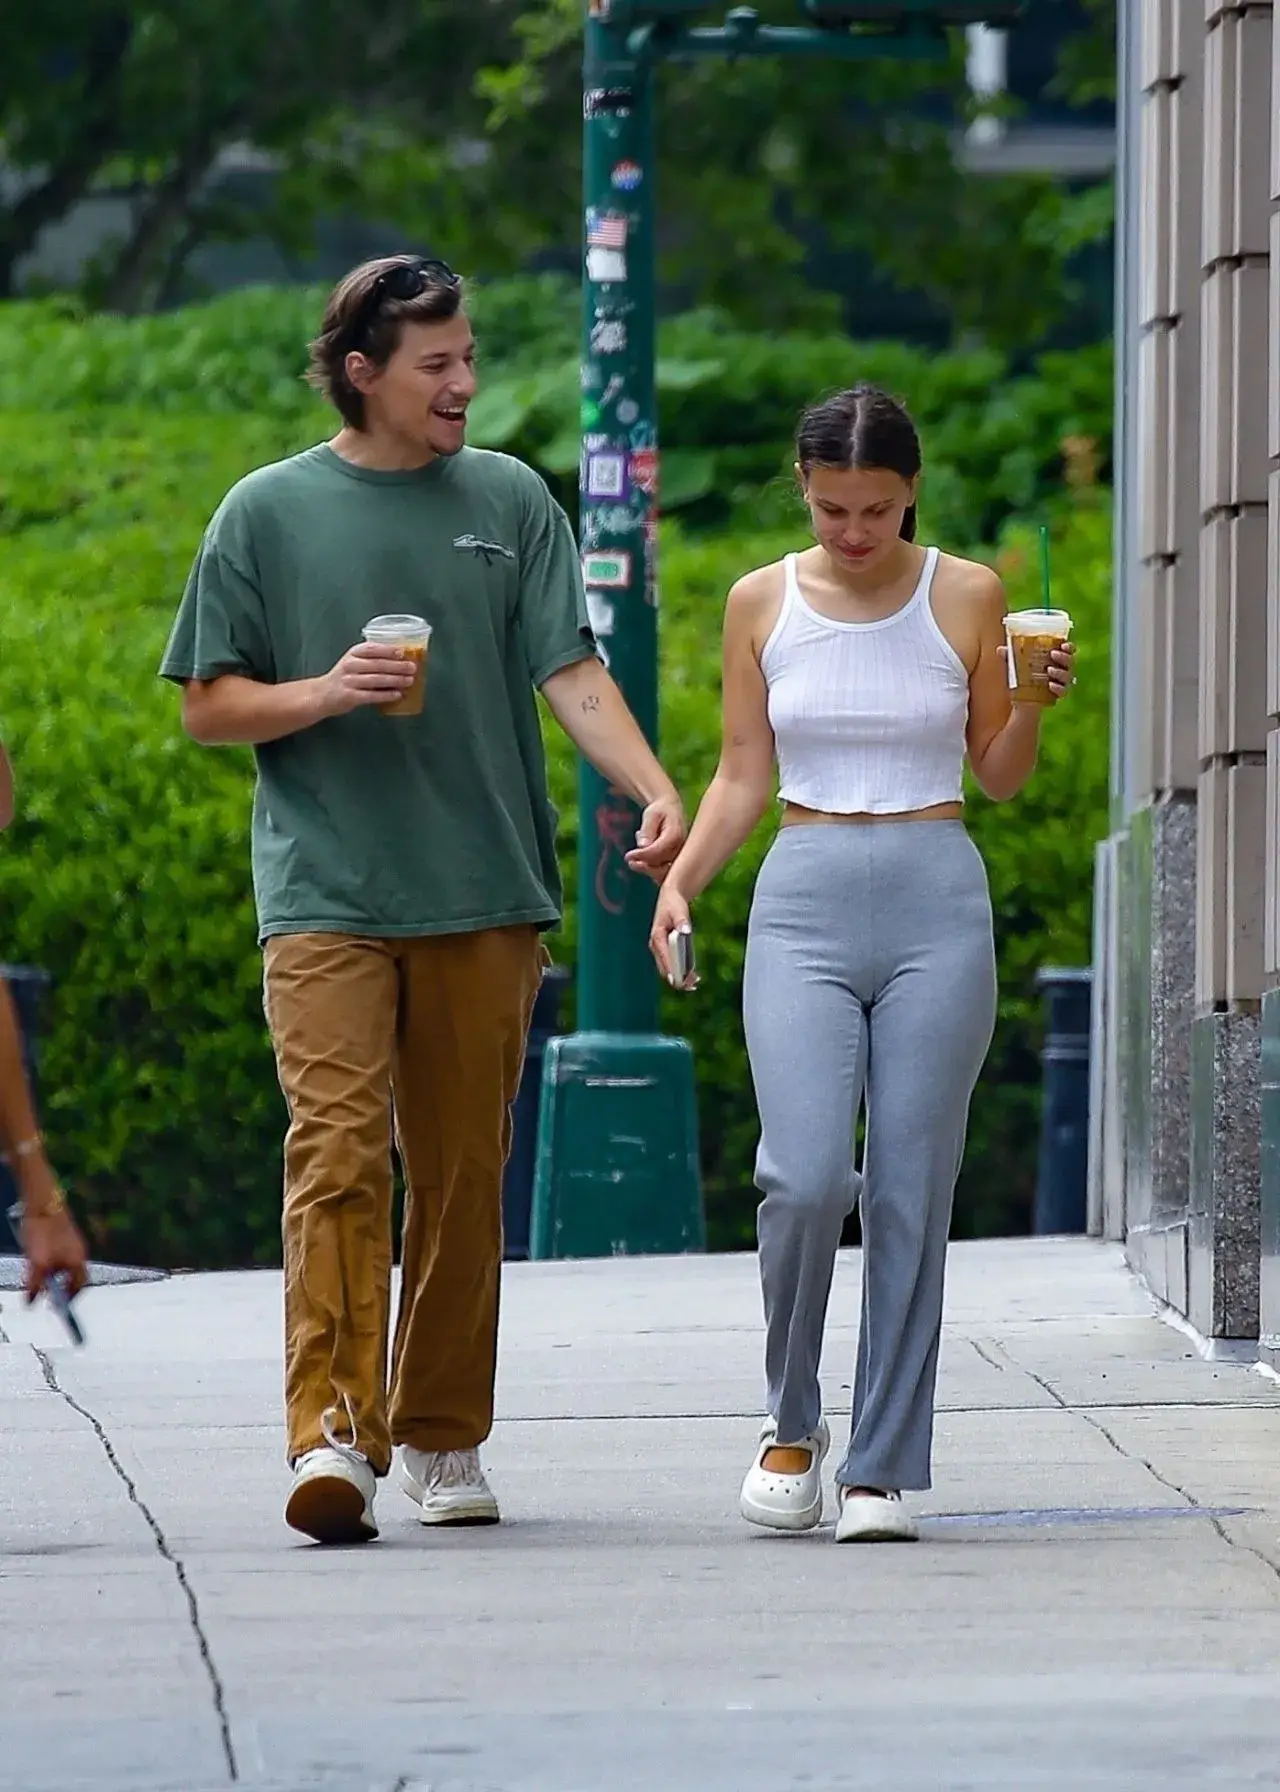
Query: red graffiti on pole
[616,827]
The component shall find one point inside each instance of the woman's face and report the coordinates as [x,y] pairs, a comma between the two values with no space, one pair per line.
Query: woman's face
[857,514]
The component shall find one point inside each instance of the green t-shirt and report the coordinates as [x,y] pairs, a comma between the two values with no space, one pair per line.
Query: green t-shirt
[391,825]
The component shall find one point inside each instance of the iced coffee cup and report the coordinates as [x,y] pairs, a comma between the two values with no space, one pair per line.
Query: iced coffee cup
[412,635]
[1032,638]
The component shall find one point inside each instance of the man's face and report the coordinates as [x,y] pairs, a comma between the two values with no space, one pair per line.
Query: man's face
[421,395]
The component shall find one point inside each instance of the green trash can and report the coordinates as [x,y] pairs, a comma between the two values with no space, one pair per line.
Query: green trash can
[602,1188]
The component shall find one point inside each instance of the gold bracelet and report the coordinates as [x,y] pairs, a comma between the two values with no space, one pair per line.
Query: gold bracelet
[54,1208]
[27,1148]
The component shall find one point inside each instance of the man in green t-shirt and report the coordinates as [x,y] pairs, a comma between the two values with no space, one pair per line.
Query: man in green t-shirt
[404,867]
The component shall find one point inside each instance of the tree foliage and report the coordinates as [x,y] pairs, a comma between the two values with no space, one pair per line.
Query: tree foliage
[458,128]
[144,99]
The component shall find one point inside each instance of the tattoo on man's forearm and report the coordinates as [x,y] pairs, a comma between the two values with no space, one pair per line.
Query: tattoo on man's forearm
[590,703]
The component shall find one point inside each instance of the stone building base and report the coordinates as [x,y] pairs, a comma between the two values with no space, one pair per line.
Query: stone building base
[1223,1236]
[1269,1284]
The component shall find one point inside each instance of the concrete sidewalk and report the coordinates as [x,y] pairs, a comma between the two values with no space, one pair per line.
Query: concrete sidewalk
[1095,1602]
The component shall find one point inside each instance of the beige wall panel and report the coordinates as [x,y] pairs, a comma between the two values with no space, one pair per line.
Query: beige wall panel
[1155,466]
[1245,674]
[1215,636]
[1182,450]
[1216,366]
[1222,50]
[1273,343]
[1250,306]
[1156,50]
[1186,166]
[1246,880]
[1275,90]
[1155,248]
[1211,886]
[1182,707]
[1273,597]
[1252,125]
[1186,198]
[1151,736]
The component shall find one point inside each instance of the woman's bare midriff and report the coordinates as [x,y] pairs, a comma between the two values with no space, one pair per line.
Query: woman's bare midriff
[795,815]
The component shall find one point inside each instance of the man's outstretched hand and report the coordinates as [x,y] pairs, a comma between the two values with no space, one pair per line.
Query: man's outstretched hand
[662,834]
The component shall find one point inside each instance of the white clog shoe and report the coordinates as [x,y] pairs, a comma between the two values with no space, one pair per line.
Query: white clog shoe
[785,1502]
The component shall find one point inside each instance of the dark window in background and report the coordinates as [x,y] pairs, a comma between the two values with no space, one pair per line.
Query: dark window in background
[875,307]
[1034,44]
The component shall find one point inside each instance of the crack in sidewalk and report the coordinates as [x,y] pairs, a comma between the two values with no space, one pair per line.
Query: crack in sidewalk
[1183,1493]
[987,1356]
[162,1546]
[1161,1479]
[1031,1375]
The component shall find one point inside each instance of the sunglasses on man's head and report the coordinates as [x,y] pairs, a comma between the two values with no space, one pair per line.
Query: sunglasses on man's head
[405,281]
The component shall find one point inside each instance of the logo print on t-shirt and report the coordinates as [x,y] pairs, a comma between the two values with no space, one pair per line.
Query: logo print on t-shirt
[471,544]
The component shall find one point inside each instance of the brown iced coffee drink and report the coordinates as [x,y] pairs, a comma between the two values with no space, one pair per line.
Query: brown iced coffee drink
[1032,638]
[412,636]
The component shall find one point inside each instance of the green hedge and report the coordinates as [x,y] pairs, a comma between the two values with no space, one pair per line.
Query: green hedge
[127,873]
[729,398]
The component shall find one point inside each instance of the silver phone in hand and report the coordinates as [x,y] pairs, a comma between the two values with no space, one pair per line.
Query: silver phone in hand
[681,955]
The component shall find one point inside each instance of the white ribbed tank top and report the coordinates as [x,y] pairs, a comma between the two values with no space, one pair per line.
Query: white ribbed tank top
[869,717]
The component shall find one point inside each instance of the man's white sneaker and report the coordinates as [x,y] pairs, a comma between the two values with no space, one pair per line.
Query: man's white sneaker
[333,1487]
[449,1485]
[785,1502]
[874,1518]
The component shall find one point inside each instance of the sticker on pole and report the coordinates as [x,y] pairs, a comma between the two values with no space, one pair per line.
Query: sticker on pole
[607,266]
[609,337]
[607,102]
[644,471]
[600,615]
[606,230]
[606,571]
[627,177]
[607,476]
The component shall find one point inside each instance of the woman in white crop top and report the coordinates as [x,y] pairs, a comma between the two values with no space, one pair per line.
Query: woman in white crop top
[867,669]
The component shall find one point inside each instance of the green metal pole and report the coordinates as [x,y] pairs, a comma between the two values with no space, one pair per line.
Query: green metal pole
[617,987]
[617,1162]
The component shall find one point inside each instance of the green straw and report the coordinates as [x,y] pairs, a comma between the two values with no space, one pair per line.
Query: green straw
[1044,566]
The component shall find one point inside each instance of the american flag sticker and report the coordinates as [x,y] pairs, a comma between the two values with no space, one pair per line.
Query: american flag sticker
[606,230]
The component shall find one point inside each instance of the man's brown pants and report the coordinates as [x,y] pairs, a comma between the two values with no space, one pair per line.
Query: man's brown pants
[437,1026]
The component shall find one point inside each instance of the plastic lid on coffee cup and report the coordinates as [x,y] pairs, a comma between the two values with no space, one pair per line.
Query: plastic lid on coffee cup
[396,629]
[1039,622]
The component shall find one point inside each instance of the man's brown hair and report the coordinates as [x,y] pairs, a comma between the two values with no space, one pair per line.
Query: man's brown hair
[361,314]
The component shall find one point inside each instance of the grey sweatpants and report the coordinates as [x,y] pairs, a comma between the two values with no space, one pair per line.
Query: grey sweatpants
[870,970]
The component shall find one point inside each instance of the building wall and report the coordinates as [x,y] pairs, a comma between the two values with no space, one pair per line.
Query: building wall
[1270,1066]
[1187,947]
